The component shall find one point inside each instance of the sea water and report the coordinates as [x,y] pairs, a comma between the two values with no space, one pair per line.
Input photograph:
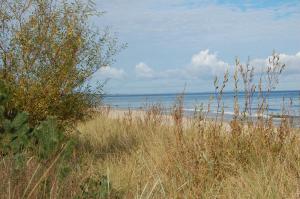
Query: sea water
[279,102]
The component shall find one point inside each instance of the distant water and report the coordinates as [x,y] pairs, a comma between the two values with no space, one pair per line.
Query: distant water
[277,100]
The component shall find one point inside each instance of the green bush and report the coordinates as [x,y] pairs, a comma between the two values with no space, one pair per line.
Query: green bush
[48,53]
[99,187]
[16,134]
[45,139]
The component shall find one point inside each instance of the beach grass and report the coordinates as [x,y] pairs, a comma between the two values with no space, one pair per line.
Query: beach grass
[140,155]
[146,159]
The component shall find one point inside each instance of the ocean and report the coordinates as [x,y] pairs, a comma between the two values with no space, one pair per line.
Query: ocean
[289,101]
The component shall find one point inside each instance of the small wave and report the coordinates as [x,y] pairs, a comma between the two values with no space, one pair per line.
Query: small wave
[189,109]
[229,113]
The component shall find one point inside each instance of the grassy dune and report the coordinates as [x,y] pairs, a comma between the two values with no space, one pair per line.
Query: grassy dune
[143,158]
[140,155]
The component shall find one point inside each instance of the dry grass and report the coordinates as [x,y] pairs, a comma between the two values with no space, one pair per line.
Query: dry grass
[147,160]
[142,157]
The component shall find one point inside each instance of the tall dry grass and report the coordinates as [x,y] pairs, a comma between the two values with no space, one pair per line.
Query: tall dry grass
[207,161]
[142,157]
[151,155]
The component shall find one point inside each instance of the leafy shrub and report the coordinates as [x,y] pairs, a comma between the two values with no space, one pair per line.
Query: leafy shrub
[98,188]
[14,132]
[15,135]
[45,142]
[48,52]
[46,138]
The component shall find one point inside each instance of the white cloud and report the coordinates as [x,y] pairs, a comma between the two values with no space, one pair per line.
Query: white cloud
[205,63]
[144,71]
[292,63]
[110,72]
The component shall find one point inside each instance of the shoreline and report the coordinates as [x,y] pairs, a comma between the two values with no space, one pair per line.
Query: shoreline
[188,118]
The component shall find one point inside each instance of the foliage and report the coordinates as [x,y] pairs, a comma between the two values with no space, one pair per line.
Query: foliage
[98,188]
[16,136]
[13,132]
[48,52]
[45,142]
[48,137]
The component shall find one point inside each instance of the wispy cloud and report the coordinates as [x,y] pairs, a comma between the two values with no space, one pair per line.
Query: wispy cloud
[110,73]
[209,20]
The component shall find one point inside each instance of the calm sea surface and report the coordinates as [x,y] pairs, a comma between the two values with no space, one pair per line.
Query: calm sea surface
[277,100]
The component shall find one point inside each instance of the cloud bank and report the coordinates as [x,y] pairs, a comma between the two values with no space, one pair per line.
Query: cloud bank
[198,73]
[206,64]
[203,64]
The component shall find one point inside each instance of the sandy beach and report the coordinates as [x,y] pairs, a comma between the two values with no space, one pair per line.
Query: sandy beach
[166,119]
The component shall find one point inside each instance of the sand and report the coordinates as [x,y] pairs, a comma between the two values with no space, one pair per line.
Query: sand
[167,119]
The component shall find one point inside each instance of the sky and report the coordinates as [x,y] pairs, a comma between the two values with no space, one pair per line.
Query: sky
[176,45]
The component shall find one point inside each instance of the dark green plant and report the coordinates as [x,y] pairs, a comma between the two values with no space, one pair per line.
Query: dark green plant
[48,137]
[98,188]
[45,140]
[14,133]
[15,136]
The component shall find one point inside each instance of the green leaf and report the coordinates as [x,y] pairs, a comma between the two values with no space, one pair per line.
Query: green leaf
[19,120]
[49,138]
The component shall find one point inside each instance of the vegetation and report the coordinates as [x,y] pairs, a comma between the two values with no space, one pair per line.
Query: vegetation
[145,159]
[114,158]
[48,52]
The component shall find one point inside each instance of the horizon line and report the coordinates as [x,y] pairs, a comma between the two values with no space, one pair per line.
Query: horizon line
[178,93]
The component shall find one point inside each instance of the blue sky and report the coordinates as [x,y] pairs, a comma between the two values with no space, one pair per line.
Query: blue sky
[174,44]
